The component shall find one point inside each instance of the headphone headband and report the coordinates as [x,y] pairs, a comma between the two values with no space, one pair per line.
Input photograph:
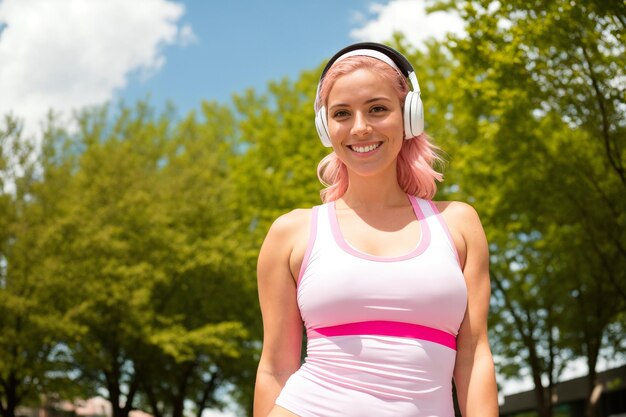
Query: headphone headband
[378,51]
[372,54]
[365,48]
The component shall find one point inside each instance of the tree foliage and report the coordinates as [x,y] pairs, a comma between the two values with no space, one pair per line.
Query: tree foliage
[119,254]
[148,229]
[32,317]
[538,119]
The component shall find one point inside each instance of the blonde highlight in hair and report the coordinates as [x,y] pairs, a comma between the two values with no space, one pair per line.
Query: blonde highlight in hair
[417,158]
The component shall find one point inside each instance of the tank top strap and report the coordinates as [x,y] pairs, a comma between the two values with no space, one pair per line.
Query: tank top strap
[320,235]
[439,229]
[325,239]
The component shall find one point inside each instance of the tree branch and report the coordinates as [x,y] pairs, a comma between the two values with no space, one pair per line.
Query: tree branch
[616,164]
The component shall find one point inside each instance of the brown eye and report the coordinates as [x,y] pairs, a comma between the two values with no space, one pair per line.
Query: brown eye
[340,113]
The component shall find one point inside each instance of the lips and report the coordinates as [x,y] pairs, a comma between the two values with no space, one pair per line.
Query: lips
[364,148]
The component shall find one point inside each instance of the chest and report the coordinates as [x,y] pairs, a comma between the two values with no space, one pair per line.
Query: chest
[418,281]
[391,237]
[338,287]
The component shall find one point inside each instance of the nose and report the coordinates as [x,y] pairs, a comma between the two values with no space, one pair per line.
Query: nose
[361,126]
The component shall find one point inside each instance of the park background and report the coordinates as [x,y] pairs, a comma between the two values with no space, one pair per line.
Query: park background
[147,146]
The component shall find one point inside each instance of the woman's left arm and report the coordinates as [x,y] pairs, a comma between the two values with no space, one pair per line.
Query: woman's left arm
[474,372]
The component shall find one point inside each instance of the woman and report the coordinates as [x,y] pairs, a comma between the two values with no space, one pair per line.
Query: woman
[393,289]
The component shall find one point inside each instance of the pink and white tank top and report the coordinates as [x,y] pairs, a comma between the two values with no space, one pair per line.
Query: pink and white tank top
[381,330]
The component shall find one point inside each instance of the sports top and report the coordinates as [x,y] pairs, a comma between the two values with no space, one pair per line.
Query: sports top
[381,331]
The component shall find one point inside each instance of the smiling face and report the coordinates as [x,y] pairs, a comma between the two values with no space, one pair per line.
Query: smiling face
[365,123]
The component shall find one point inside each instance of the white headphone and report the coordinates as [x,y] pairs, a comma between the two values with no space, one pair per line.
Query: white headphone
[413,107]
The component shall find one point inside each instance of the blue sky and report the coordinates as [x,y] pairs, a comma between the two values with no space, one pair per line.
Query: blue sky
[68,54]
[246,43]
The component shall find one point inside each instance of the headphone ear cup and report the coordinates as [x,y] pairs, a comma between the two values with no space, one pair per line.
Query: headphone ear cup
[321,124]
[413,115]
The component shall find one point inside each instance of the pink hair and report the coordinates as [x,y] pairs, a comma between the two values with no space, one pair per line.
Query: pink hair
[417,157]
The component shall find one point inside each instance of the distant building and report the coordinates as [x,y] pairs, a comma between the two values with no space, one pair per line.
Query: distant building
[569,397]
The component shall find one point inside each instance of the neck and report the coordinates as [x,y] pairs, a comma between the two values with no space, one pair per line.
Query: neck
[374,192]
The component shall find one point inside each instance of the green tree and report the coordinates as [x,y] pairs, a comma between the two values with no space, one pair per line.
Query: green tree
[275,170]
[148,240]
[538,114]
[32,320]
[111,245]
[205,307]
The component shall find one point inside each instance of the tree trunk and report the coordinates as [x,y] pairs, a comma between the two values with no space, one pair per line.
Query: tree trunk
[130,397]
[10,391]
[114,398]
[178,403]
[544,405]
[209,387]
[114,395]
[593,397]
[154,403]
[591,405]
[544,408]
[7,411]
[178,406]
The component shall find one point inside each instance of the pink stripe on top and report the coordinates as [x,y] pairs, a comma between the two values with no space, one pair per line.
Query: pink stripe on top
[387,328]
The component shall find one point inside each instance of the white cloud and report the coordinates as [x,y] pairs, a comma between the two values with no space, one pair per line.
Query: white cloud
[408,17]
[186,35]
[66,54]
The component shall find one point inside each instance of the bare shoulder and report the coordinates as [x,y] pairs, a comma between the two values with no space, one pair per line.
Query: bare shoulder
[457,210]
[459,215]
[465,227]
[285,242]
[288,232]
[291,224]
[293,217]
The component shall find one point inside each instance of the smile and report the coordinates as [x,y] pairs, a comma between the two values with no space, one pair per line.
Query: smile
[363,149]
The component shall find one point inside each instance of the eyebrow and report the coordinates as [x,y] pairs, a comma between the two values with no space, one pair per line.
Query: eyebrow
[371,100]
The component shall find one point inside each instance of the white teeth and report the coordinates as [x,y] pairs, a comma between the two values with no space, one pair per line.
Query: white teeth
[362,149]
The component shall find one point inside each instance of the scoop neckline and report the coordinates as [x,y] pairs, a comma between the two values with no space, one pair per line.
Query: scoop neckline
[421,246]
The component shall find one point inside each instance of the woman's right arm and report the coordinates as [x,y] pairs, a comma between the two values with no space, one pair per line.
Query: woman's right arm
[282,325]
